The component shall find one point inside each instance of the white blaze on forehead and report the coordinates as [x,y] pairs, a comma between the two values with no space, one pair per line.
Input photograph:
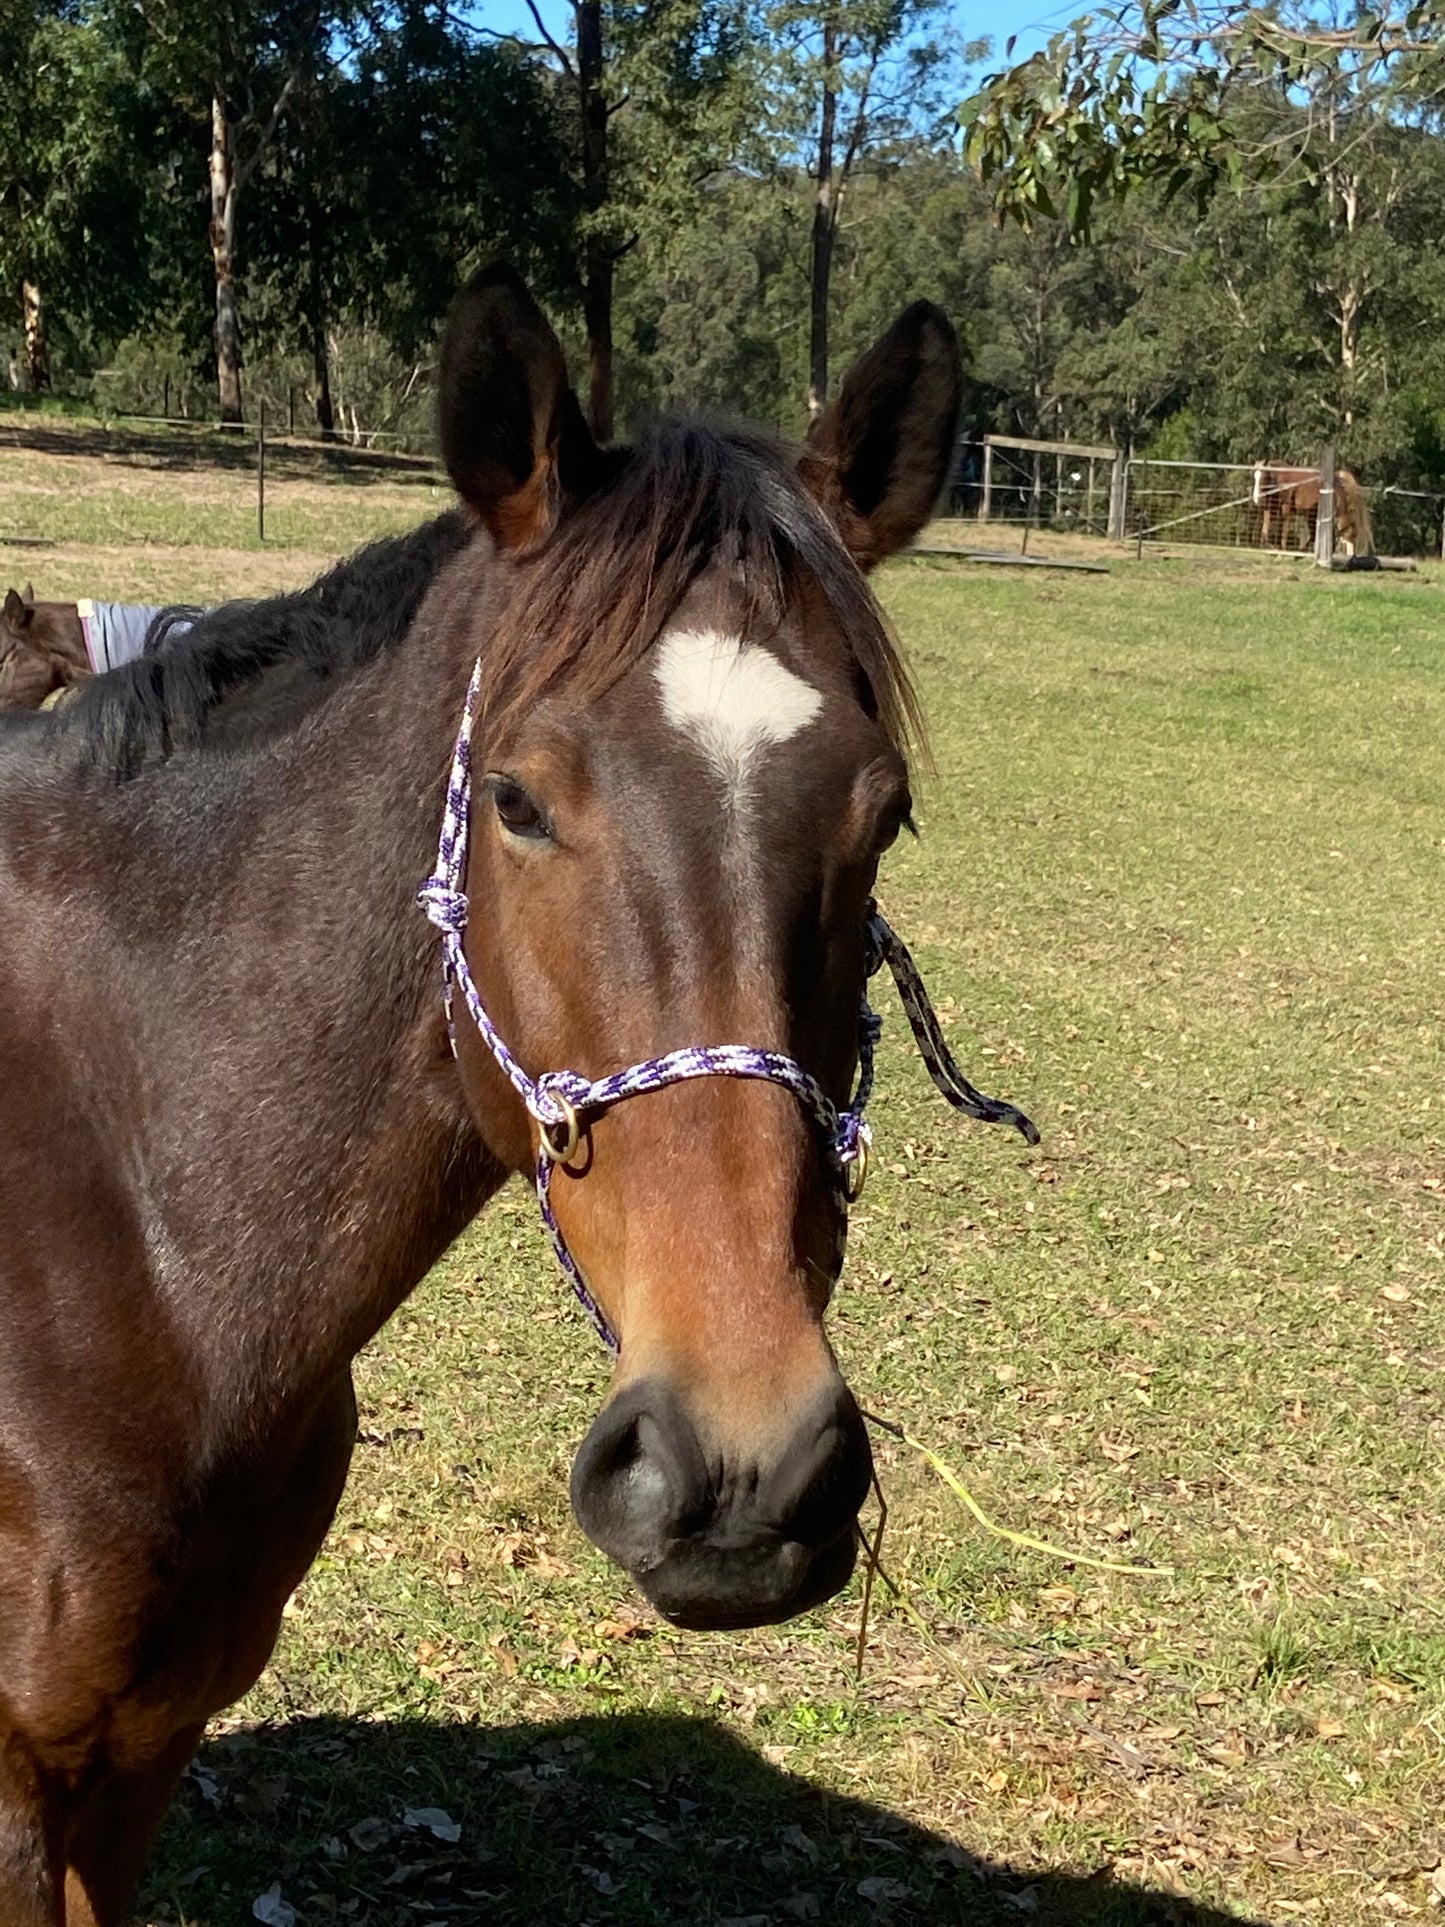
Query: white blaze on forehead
[735,700]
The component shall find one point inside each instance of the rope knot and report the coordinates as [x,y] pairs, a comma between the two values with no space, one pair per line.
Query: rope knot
[444,906]
[554,1092]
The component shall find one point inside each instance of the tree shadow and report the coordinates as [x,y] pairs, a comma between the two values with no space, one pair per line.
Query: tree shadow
[603,1821]
[180,450]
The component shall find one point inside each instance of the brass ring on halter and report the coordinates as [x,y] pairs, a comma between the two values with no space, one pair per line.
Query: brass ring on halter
[560,1152]
[855,1173]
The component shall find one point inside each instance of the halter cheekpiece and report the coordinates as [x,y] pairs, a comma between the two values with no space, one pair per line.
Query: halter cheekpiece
[560,1100]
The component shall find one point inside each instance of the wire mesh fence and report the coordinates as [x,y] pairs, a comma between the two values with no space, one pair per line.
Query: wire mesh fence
[1208,502]
[1408,521]
[1233,505]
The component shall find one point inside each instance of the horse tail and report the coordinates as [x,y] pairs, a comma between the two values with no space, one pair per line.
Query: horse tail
[1354,513]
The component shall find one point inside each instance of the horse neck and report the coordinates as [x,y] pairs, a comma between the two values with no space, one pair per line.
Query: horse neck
[274,1075]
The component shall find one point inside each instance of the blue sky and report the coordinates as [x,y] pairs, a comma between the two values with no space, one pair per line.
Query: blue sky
[1032,20]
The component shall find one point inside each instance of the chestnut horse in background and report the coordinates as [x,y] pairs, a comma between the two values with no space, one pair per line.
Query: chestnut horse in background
[237,1135]
[42,650]
[1288,500]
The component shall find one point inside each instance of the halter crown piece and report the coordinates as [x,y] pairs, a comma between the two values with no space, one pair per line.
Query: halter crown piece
[558,1100]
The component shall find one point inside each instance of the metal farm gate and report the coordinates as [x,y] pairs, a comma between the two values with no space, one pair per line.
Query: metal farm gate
[1219,504]
[1208,502]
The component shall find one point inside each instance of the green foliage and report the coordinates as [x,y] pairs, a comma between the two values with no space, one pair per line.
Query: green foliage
[1147,93]
[71,183]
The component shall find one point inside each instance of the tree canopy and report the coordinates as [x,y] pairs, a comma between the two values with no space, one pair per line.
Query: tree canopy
[1228,243]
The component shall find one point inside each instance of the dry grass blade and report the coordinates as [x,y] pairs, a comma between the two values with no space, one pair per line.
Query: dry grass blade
[1025,1540]
[873,1567]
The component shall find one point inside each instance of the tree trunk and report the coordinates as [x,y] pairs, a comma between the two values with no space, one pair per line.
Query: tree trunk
[320,359]
[597,313]
[321,364]
[825,227]
[37,349]
[1352,301]
[598,261]
[223,239]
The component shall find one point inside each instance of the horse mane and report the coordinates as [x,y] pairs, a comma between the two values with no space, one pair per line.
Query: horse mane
[286,649]
[601,590]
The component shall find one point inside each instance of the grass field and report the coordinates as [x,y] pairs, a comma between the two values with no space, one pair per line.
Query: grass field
[1178,891]
[158,514]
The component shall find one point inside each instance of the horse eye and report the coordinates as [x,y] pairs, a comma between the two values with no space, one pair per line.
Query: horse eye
[517,811]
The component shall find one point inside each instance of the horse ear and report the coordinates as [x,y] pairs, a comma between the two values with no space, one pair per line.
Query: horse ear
[29,597]
[16,613]
[512,434]
[877,459]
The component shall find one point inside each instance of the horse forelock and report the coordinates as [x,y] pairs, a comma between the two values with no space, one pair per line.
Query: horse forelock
[691,499]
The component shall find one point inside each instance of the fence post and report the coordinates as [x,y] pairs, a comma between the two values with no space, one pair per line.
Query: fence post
[1118,496]
[1325,518]
[985,507]
[261,474]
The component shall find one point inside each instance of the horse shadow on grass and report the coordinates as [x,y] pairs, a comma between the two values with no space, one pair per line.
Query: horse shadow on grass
[623,1821]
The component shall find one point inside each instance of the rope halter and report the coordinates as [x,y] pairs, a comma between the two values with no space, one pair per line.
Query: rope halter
[561,1101]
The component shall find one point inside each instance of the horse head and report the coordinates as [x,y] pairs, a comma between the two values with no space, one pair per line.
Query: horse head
[689,757]
[42,649]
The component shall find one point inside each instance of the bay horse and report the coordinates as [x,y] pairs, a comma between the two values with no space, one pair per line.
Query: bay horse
[1288,500]
[237,1130]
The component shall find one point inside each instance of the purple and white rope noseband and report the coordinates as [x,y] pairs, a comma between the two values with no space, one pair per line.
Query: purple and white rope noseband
[559,1100]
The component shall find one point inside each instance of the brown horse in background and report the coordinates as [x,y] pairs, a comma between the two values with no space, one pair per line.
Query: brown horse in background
[1288,500]
[42,650]
[237,1136]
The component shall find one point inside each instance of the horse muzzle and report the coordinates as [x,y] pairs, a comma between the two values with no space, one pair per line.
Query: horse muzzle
[712,1544]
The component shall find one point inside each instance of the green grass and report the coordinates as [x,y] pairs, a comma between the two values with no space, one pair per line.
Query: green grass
[1177,892]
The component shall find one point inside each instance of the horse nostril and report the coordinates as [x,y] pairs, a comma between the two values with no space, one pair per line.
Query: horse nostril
[640,1479]
[817,1490]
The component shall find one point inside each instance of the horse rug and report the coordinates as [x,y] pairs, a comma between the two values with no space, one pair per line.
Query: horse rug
[115,632]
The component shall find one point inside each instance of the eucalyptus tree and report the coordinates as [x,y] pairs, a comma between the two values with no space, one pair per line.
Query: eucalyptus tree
[1150,92]
[654,98]
[233,68]
[71,184]
[850,82]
